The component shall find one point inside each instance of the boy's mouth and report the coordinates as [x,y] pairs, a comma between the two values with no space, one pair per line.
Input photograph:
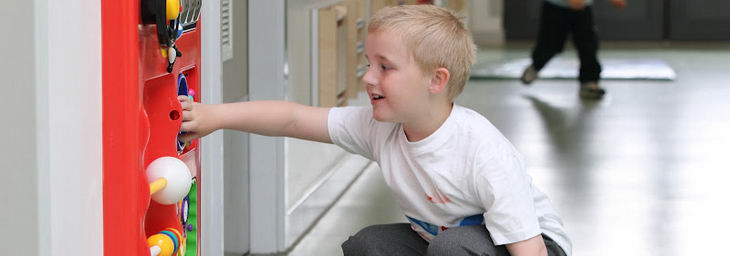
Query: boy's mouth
[376,97]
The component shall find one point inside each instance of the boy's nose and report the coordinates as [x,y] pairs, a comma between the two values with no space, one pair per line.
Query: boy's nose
[369,79]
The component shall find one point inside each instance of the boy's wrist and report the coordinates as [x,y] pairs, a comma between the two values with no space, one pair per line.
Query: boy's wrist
[215,120]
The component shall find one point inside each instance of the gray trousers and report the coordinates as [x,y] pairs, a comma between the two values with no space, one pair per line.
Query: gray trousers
[399,239]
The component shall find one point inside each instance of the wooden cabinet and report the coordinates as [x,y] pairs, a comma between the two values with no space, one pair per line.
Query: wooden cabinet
[331,52]
[341,42]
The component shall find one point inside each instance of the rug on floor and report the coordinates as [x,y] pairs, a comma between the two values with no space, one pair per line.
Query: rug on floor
[567,68]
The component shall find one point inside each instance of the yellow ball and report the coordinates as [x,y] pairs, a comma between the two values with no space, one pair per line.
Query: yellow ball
[164,242]
[173,9]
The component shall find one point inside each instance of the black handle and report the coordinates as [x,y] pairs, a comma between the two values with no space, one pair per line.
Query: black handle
[154,12]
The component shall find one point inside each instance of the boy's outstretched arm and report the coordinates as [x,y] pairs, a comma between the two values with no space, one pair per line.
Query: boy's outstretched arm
[531,247]
[269,118]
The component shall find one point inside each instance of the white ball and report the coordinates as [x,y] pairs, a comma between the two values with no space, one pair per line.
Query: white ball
[178,178]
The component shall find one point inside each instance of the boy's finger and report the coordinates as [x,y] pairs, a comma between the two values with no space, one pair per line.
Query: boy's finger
[187,126]
[186,105]
[182,98]
[188,137]
[187,115]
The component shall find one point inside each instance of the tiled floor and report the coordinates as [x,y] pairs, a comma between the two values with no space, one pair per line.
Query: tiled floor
[642,172]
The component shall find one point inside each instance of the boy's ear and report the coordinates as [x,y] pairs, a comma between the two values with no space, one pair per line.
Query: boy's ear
[439,80]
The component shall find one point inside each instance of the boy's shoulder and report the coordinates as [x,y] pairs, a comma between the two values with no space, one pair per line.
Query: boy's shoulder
[480,134]
[477,123]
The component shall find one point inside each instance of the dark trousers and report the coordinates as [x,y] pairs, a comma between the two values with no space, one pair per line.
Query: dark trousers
[556,23]
[400,240]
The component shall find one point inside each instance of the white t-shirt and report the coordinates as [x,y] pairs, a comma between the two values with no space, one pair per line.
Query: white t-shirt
[465,173]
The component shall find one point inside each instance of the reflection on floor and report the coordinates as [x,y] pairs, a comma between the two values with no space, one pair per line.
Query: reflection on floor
[642,172]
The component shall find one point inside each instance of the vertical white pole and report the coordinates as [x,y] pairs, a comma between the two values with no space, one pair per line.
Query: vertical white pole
[211,243]
[266,82]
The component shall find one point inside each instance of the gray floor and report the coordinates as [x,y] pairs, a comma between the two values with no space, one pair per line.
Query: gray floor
[642,172]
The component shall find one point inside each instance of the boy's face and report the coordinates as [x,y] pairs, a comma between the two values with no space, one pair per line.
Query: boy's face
[397,86]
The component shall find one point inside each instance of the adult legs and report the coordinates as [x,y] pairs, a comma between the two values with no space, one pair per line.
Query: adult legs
[554,28]
[586,42]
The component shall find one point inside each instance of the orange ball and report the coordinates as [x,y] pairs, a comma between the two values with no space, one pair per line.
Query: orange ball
[164,242]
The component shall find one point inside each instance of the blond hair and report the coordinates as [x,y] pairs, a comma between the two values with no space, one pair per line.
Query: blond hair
[436,38]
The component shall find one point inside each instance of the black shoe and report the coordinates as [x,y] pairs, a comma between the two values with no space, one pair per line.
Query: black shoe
[591,90]
[529,75]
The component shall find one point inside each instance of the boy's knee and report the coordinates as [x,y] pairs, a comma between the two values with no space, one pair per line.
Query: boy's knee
[445,243]
[364,242]
[372,233]
[441,248]
[354,246]
[468,240]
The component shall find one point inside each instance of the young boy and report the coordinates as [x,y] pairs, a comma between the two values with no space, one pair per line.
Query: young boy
[460,183]
[559,18]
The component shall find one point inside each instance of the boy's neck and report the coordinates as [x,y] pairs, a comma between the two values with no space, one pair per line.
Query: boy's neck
[428,123]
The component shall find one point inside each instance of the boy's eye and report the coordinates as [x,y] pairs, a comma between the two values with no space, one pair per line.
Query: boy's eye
[384,67]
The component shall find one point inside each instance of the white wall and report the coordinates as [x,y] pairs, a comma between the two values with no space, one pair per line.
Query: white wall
[52,100]
[72,164]
[212,188]
[266,82]
[19,192]
[235,89]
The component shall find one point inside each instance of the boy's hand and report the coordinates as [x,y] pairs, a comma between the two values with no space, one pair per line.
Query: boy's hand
[619,3]
[195,118]
[577,4]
